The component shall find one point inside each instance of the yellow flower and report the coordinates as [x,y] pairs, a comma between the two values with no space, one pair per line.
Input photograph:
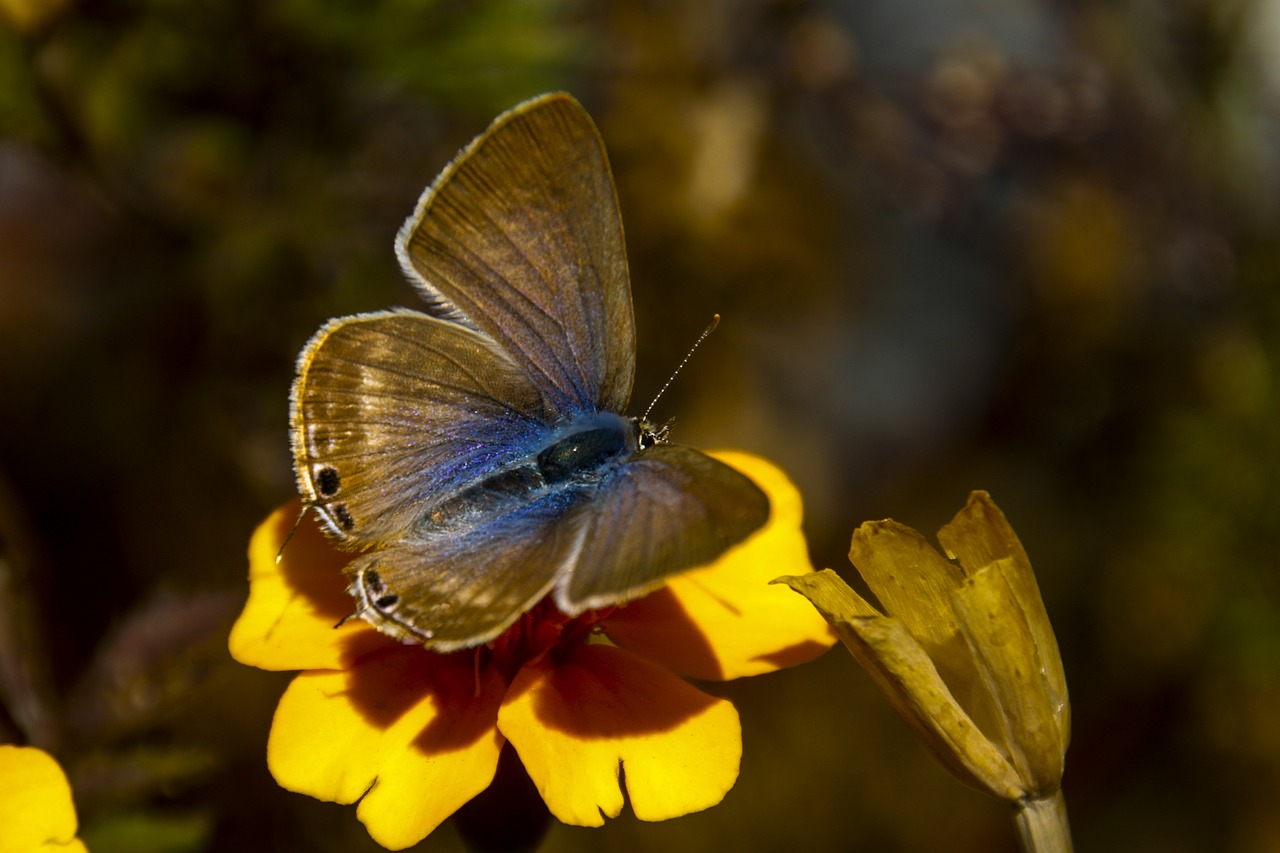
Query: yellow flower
[36,812]
[414,735]
[965,655]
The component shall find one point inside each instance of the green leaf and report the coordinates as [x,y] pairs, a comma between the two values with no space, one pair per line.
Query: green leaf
[141,832]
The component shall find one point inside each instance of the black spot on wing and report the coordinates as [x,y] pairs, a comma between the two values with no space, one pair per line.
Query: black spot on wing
[328,481]
[343,516]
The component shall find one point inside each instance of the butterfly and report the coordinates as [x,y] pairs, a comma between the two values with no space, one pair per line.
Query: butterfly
[474,453]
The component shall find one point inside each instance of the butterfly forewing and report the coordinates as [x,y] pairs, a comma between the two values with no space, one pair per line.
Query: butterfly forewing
[394,411]
[521,235]
[667,510]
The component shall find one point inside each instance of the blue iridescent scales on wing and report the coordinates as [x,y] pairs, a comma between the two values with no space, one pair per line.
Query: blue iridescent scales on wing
[475,455]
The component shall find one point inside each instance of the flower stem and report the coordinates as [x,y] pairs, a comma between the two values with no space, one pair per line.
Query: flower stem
[1042,824]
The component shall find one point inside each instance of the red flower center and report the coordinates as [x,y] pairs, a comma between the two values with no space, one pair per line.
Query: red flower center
[540,631]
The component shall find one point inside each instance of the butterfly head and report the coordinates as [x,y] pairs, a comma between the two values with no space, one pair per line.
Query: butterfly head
[650,434]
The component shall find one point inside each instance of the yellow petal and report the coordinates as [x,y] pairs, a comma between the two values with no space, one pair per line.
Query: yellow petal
[294,604]
[912,581]
[726,621]
[36,811]
[1002,644]
[903,672]
[587,720]
[981,536]
[415,730]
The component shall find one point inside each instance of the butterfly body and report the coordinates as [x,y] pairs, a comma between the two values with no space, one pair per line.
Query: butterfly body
[476,456]
[573,460]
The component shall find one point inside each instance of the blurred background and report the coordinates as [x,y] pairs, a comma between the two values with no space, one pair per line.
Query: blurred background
[1029,247]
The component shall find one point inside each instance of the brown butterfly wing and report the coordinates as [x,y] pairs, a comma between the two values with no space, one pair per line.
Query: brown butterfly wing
[465,587]
[667,510]
[521,238]
[394,411]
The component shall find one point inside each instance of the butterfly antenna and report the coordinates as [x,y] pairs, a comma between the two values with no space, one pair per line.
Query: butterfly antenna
[292,530]
[711,327]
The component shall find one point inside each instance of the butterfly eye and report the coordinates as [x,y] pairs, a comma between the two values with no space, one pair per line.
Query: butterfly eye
[651,435]
[387,601]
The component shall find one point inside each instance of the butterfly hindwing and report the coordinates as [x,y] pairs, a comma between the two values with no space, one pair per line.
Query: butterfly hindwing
[459,590]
